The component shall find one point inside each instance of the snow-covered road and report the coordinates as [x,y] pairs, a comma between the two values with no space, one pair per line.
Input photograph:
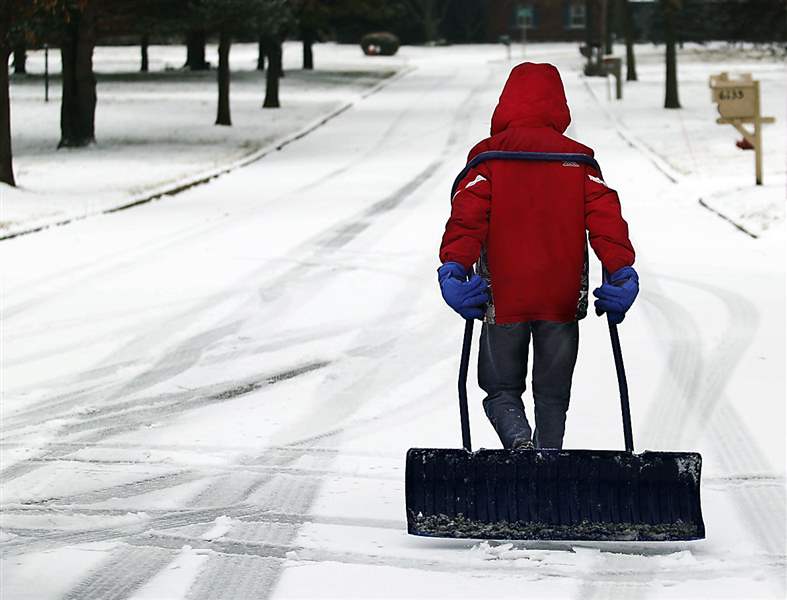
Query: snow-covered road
[211,396]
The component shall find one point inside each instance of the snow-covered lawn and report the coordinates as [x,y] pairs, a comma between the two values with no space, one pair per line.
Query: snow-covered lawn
[207,399]
[155,131]
[689,146]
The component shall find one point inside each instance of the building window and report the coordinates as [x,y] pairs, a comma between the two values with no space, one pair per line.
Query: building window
[576,15]
[525,17]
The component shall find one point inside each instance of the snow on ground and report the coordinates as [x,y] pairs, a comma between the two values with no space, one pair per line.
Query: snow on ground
[155,131]
[704,158]
[213,399]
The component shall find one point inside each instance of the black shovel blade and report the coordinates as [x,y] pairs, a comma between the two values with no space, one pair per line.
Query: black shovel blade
[554,494]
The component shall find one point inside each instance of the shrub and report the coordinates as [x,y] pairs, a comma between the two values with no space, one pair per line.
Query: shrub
[380,43]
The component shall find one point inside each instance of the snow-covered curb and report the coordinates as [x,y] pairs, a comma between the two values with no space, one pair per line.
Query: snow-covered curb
[181,185]
[753,211]
[627,136]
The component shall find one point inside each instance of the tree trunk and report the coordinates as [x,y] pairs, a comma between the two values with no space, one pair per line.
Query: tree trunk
[308,36]
[20,60]
[275,60]
[78,105]
[628,26]
[261,54]
[273,51]
[671,89]
[6,165]
[144,54]
[431,22]
[590,25]
[223,113]
[609,20]
[195,51]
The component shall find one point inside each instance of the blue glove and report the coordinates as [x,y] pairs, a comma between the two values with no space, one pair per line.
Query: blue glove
[617,295]
[451,269]
[465,297]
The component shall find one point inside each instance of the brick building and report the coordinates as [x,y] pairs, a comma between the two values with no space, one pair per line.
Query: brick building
[699,20]
[541,20]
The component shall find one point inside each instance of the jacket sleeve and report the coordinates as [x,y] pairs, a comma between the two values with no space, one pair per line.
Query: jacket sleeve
[465,232]
[607,231]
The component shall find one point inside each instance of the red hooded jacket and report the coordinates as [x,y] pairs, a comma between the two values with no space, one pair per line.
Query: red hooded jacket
[527,223]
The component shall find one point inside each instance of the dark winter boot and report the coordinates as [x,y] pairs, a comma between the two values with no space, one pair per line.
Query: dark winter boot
[507,415]
[523,444]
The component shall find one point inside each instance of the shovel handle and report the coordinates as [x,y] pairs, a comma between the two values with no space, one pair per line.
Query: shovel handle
[617,353]
[464,363]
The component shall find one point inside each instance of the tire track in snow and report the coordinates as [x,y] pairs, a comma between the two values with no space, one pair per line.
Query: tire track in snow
[121,574]
[285,489]
[114,423]
[185,354]
[335,237]
[188,352]
[112,263]
[694,404]
[736,447]
[233,576]
[251,521]
[62,406]
[695,391]
[201,230]
[611,574]
[195,447]
[692,400]
[301,497]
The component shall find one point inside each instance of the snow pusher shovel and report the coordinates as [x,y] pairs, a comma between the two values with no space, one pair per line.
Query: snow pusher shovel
[548,494]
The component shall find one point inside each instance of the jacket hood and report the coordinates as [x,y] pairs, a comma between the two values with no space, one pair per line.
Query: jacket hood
[532,97]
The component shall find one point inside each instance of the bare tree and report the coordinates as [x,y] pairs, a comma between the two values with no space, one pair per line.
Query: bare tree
[310,15]
[20,23]
[274,53]
[223,77]
[144,63]
[670,8]
[20,59]
[261,53]
[6,161]
[78,104]
[274,18]
[430,14]
[628,32]
[195,50]
[608,13]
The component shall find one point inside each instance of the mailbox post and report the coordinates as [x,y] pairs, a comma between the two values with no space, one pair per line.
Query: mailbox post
[738,102]
[613,66]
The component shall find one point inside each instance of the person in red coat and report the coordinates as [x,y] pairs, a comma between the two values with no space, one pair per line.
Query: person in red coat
[525,224]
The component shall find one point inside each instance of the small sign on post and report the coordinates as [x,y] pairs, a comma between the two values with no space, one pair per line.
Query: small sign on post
[738,102]
[506,41]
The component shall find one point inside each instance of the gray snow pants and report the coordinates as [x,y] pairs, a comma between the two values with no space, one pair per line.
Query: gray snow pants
[502,370]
